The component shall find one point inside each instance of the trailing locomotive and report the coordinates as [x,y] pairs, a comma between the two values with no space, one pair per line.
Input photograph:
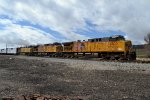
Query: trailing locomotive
[110,48]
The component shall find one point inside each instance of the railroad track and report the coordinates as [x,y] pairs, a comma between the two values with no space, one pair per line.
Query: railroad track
[103,60]
[121,61]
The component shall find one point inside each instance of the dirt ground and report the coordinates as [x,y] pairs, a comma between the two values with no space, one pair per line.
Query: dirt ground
[23,75]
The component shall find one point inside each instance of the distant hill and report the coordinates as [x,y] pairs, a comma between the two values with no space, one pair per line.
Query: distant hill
[141,46]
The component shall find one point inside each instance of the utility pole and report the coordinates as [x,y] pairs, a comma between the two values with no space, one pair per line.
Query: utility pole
[6,48]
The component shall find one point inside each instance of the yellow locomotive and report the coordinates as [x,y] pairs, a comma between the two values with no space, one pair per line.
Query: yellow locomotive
[24,50]
[110,48]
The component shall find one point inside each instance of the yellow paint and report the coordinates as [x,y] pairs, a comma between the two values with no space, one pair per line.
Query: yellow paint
[81,47]
[68,48]
[41,48]
[53,48]
[110,46]
[26,50]
[116,46]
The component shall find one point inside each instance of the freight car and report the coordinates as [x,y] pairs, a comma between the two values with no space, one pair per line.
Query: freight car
[110,48]
[8,51]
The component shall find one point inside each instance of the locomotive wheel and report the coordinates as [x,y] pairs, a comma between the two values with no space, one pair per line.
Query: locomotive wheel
[129,57]
[117,58]
[53,55]
[112,58]
[50,55]
[75,56]
[64,56]
[72,56]
[68,56]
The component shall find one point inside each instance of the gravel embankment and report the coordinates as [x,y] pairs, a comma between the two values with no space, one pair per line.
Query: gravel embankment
[96,65]
[90,80]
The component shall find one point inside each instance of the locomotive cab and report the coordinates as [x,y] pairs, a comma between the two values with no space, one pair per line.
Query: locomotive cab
[117,38]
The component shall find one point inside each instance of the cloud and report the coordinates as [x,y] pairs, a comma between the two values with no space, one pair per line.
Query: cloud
[67,17]
[14,34]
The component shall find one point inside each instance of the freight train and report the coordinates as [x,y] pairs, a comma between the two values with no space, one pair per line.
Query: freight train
[108,48]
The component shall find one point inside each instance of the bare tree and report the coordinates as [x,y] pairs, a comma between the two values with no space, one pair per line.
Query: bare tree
[147,46]
[147,38]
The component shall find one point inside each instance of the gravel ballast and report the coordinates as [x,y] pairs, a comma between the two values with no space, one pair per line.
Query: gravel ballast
[90,80]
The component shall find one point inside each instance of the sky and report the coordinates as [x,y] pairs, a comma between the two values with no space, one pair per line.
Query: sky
[31,22]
